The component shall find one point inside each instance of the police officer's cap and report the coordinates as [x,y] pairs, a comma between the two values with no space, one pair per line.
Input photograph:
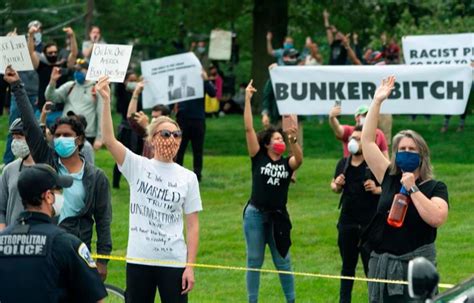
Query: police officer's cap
[16,127]
[39,178]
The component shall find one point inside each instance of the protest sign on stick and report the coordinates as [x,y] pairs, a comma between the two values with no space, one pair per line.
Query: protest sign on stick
[220,46]
[109,60]
[172,79]
[14,52]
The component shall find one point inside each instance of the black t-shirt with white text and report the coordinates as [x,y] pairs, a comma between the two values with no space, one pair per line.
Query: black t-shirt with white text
[338,53]
[270,181]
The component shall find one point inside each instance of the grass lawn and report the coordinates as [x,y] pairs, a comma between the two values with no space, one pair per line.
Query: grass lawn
[313,208]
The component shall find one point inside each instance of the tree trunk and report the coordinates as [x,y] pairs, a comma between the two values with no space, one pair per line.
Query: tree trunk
[268,15]
[89,18]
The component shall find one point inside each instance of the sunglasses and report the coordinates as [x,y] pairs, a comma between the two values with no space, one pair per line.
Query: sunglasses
[167,134]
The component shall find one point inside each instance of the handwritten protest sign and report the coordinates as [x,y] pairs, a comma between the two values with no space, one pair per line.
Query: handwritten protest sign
[109,60]
[172,79]
[14,52]
[220,46]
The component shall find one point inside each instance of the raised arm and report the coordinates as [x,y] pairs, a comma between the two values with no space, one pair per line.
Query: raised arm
[116,148]
[269,43]
[57,95]
[252,142]
[328,27]
[31,46]
[350,52]
[334,122]
[297,154]
[133,105]
[71,59]
[375,159]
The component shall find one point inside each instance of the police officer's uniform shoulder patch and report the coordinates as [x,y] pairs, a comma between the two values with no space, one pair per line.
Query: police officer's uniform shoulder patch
[85,254]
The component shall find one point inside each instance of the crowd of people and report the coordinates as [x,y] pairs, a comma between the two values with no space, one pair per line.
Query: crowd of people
[50,186]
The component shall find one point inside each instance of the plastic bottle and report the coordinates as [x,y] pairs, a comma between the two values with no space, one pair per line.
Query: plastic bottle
[399,208]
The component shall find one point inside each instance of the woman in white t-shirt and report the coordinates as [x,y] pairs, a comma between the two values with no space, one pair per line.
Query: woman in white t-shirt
[162,194]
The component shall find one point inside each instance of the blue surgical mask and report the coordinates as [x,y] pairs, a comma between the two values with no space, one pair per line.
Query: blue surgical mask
[287,45]
[80,77]
[407,161]
[65,146]
[201,49]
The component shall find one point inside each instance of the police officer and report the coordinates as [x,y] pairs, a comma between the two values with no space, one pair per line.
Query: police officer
[39,262]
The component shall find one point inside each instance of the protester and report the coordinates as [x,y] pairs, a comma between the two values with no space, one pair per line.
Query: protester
[87,150]
[45,264]
[78,96]
[266,219]
[88,200]
[338,53]
[390,50]
[410,168]
[213,104]
[191,118]
[179,198]
[200,50]
[235,104]
[343,132]
[94,37]
[358,203]
[279,53]
[38,35]
[10,201]
[314,57]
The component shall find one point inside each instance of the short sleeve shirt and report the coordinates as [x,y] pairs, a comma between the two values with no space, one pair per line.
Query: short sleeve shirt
[379,139]
[160,195]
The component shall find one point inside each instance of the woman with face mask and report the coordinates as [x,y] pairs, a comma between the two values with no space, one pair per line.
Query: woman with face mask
[358,203]
[266,220]
[412,205]
[162,195]
[10,200]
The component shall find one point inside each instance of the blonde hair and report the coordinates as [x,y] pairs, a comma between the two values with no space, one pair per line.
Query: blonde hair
[426,169]
[154,125]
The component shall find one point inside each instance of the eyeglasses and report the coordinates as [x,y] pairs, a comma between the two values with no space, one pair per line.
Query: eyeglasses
[167,134]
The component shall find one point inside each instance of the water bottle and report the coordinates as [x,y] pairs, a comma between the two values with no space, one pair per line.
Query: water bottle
[398,209]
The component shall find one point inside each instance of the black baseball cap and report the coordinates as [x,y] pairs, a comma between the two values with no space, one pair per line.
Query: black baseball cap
[16,127]
[39,178]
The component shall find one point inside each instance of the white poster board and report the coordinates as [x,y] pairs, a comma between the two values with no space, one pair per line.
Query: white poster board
[439,49]
[220,46]
[172,79]
[109,60]
[14,52]
[419,89]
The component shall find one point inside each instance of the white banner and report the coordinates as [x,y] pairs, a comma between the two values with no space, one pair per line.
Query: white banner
[439,49]
[14,52]
[427,89]
[109,60]
[172,79]
[220,46]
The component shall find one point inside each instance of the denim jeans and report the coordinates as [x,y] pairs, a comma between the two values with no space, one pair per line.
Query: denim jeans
[258,233]
[14,114]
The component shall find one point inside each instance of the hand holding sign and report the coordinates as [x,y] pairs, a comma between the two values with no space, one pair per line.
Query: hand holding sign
[109,60]
[384,90]
[14,51]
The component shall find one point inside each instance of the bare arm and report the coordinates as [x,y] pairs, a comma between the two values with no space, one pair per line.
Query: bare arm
[252,142]
[31,46]
[329,33]
[334,122]
[133,105]
[269,43]
[71,59]
[350,52]
[375,159]
[192,241]
[337,184]
[116,148]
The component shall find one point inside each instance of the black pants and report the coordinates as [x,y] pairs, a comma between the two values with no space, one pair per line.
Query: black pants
[142,281]
[193,130]
[348,242]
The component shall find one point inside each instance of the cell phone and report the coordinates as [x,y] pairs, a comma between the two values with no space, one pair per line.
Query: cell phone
[289,121]
[337,103]
[368,174]
[50,107]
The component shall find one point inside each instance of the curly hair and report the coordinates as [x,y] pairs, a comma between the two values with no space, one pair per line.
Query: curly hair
[75,124]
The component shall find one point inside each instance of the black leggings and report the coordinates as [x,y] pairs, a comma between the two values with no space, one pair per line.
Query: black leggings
[142,281]
[348,241]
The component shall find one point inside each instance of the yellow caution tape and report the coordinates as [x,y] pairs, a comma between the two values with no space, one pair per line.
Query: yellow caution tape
[273,271]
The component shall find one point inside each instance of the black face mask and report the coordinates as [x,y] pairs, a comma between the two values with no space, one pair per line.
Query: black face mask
[52,59]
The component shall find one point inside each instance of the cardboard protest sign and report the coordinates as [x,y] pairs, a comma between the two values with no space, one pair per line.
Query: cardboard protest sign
[419,89]
[109,60]
[14,52]
[439,49]
[220,46]
[172,79]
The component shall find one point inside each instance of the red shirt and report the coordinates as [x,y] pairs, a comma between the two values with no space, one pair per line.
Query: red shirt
[379,139]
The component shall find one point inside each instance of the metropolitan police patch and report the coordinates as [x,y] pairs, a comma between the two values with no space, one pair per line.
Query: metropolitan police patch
[85,254]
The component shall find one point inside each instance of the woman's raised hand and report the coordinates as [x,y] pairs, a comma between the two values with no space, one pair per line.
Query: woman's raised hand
[384,90]
[250,90]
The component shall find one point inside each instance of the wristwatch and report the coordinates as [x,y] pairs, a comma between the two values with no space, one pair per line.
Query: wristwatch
[413,189]
[292,139]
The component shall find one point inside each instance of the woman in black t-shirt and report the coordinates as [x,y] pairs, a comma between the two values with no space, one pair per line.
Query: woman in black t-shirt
[410,168]
[266,220]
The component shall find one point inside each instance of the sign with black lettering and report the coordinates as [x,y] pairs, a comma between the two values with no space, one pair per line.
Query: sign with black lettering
[14,52]
[109,60]
[439,49]
[426,89]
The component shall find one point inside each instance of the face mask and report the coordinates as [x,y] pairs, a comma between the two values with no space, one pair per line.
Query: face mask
[361,120]
[201,49]
[65,146]
[131,86]
[166,148]
[52,59]
[58,204]
[407,161]
[37,37]
[354,147]
[287,45]
[20,148]
[278,147]
[80,77]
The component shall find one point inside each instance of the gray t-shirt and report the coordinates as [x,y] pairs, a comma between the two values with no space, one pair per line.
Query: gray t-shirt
[10,200]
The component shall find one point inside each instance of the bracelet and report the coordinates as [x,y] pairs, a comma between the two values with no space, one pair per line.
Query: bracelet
[293,139]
